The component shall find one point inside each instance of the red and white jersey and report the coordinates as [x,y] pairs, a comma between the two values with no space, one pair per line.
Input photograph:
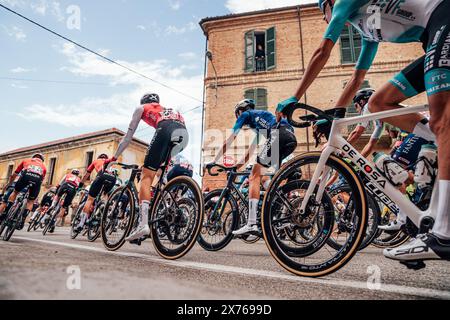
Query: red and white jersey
[34,165]
[154,113]
[71,179]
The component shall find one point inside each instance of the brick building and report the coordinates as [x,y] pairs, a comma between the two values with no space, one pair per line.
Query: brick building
[263,55]
[72,153]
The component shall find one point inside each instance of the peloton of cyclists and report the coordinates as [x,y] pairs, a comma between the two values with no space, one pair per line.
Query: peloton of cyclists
[31,172]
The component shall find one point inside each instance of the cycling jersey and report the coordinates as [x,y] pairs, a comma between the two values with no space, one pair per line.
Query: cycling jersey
[258,120]
[400,21]
[71,179]
[47,199]
[97,165]
[33,166]
[408,153]
[153,114]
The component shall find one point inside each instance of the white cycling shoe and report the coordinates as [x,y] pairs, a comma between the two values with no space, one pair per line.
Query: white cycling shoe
[392,226]
[138,233]
[246,229]
[424,247]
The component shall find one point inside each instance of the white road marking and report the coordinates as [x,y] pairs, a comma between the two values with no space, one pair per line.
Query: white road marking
[411,291]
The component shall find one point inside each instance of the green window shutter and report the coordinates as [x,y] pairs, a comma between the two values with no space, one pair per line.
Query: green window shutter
[351,44]
[250,51]
[271,48]
[250,94]
[261,99]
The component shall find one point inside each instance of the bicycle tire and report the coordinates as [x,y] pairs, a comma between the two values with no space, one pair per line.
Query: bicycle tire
[76,221]
[11,224]
[233,214]
[361,210]
[173,254]
[53,214]
[114,246]
[94,231]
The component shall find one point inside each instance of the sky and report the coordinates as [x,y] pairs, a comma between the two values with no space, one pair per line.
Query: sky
[51,89]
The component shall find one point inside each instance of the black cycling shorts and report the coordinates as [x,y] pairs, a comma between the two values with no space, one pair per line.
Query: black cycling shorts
[281,144]
[46,201]
[104,180]
[158,151]
[431,72]
[29,179]
[70,191]
[408,152]
[179,171]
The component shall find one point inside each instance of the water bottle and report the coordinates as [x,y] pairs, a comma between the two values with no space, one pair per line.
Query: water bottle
[423,174]
[392,170]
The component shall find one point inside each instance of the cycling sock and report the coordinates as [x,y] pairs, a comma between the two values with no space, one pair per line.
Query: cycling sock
[266,185]
[84,217]
[35,214]
[145,207]
[423,130]
[442,225]
[253,211]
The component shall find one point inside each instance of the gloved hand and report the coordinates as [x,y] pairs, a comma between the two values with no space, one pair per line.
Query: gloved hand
[107,162]
[282,105]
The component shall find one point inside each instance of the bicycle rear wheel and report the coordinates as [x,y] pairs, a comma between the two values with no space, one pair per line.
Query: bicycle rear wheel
[10,223]
[76,221]
[177,216]
[220,220]
[94,227]
[323,260]
[118,218]
[53,213]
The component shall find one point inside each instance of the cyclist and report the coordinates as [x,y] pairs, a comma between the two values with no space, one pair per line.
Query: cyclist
[361,103]
[169,124]
[425,21]
[280,143]
[68,186]
[105,181]
[45,203]
[32,173]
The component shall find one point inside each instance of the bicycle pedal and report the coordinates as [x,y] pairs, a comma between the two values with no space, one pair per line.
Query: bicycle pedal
[414,265]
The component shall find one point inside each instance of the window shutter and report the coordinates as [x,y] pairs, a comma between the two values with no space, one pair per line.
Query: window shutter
[351,43]
[250,94]
[271,48]
[261,99]
[250,51]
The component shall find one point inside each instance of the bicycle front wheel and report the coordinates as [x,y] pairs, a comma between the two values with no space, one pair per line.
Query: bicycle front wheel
[177,217]
[311,257]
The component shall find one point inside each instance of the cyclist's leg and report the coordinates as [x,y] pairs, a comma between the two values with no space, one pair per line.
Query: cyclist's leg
[406,84]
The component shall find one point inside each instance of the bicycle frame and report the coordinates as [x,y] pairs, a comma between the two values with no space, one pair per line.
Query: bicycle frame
[378,183]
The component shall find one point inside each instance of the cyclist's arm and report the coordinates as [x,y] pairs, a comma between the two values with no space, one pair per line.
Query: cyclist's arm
[356,134]
[368,53]
[378,132]
[137,116]
[225,147]
[240,123]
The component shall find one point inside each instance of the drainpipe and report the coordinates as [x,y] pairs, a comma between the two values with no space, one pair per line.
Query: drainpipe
[303,68]
[203,111]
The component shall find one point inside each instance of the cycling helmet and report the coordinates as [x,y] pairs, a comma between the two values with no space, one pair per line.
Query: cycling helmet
[243,106]
[38,156]
[150,98]
[363,94]
[323,3]
[76,172]
[103,156]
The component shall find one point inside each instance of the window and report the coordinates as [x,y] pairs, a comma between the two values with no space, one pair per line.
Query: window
[51,172]
[260,97]
[260,48]
[351,43]
[89,158]
[10,172]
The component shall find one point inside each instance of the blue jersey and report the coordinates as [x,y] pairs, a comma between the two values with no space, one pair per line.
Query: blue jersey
[258,120]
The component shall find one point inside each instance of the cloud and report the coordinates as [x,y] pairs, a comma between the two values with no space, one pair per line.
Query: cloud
[238,6]
[174,5]
[191,26]
[188,55]
[141,27]
[19,86]
[21,70]
[15,32]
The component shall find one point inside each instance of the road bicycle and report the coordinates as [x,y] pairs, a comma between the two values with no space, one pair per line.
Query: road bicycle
[36,223]
[176,213]
[50,223]
[226,210]
[320,259]
[14,216]
[91,228]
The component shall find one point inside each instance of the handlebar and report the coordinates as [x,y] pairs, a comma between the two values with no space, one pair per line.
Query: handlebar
[307,121]
[220,169]
[124,166]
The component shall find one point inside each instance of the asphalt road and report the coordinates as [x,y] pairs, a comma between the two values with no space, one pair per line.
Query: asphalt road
[56,267]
